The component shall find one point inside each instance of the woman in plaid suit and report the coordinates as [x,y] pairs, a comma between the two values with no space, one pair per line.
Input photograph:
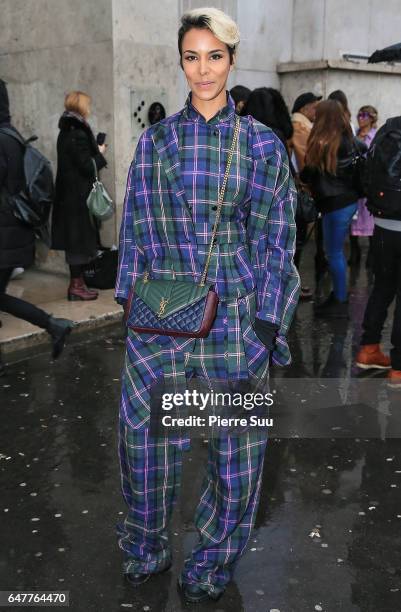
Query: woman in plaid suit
[169,212]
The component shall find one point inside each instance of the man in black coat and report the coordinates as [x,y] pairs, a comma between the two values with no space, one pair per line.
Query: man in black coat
[17,240]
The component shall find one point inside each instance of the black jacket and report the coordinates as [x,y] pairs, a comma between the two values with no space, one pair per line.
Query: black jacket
[17,241]
[334,191]
[72,229]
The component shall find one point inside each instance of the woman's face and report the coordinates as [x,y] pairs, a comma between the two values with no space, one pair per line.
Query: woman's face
[364,120]
[206,64]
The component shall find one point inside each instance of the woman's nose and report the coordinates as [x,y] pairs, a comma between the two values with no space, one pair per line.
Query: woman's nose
[203,66]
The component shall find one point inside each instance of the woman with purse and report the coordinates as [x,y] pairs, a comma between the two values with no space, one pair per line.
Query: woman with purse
[329,173]
[207,278]
[74,230]
[363,224]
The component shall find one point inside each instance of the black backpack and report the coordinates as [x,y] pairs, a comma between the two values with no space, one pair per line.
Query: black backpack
[32,204]
[382,175]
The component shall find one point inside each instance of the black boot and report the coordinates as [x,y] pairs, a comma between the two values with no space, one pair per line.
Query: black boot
[194,594]
[135,579]
[58,330]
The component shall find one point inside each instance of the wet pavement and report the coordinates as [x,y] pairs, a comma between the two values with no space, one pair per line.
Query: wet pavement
[328,530]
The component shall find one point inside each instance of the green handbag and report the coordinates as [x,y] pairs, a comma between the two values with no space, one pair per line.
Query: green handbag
[99,202]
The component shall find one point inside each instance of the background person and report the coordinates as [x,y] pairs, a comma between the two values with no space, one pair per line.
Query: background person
[384,199]
[342,99]
[331,142]
[17,240]
[303,116]
[156,113]
[240,95]
[267,105]
[73,230]
[364,224]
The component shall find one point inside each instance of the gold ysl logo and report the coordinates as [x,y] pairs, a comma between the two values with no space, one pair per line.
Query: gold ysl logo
[162,307]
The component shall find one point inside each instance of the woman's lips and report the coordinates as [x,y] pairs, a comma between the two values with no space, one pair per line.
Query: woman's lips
[206,84]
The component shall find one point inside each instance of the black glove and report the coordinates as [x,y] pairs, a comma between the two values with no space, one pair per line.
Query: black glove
[266,332]
[122,301]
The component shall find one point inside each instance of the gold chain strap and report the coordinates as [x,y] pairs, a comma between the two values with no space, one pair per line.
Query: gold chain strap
[220,200]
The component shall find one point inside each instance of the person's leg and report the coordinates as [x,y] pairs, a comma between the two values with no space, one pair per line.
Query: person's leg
[369,258]
[227,509]
[302,232]
[75,271]
[5,275]
[336,226]
[385,285]
[355,251]
[57,328]
[20,308]
[300,241]
[395,352]
[77,289]
[150,479]
[320,255]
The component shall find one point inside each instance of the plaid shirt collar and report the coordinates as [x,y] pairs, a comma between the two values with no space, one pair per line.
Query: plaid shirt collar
[225,114]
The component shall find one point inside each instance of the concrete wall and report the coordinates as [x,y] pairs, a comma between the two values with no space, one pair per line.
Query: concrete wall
[265,27]
[47,48]
[323,29]
[145,70]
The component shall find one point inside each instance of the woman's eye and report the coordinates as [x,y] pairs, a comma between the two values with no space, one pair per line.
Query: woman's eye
[216,56]
[190,58]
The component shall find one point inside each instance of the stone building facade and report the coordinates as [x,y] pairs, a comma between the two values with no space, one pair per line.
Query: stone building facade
[124,53]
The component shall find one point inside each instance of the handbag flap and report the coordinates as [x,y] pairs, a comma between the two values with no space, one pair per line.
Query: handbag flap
[166,297]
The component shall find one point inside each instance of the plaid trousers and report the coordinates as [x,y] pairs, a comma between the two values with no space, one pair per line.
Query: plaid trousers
[151,467]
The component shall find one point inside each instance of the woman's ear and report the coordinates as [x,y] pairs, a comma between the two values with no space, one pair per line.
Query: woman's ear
[233,60]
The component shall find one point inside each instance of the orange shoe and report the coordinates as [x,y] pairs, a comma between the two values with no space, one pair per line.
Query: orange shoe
[371,356]
[394,379]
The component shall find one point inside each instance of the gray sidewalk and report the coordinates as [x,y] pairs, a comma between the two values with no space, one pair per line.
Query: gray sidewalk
[48,290]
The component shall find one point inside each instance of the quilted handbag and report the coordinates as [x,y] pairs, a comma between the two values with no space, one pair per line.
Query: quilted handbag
[178,308]
[99,202]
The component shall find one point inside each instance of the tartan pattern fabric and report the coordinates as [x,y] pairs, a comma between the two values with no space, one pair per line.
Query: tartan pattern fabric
[169,211]
[168,216]
[231,351]
[150,476]
[151,470]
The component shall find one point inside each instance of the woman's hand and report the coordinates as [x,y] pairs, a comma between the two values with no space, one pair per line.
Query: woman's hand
[102,148]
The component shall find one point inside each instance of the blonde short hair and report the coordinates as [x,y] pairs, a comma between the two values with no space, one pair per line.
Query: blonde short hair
[78,102]
[367,108]
[221,26]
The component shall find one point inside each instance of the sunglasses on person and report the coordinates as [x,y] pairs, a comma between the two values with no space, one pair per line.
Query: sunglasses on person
[364,115]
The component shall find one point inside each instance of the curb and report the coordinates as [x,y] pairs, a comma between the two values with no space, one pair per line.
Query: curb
[40,338]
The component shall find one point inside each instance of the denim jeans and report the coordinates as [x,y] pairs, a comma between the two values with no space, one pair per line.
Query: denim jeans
[336,226]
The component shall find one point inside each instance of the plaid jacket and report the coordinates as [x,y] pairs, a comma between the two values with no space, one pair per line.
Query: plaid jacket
[170,204]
